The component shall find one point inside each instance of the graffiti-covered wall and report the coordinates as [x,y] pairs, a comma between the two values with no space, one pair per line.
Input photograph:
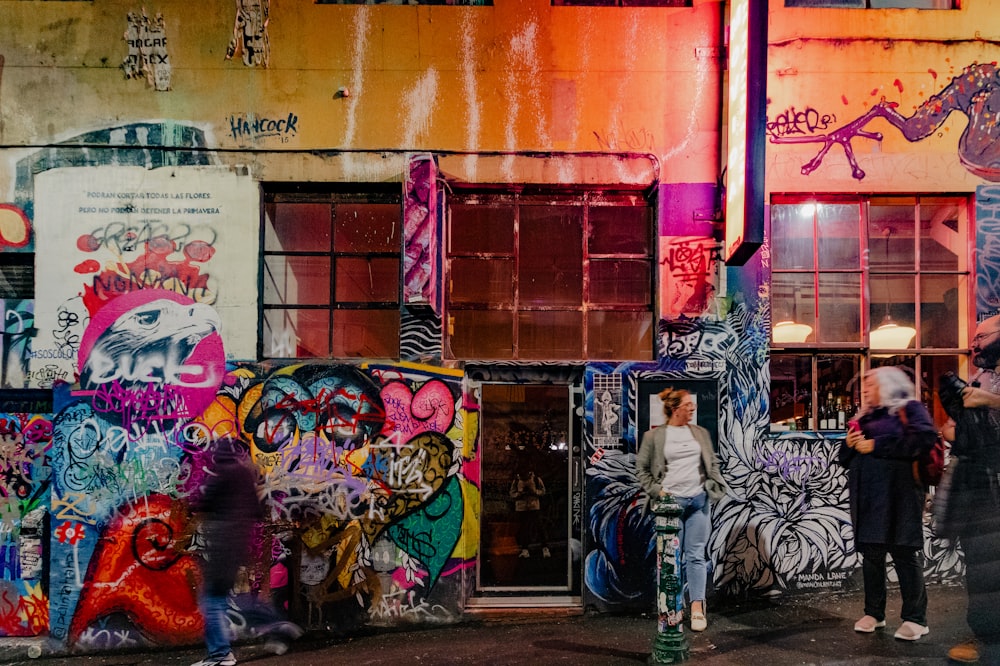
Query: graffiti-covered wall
[138,144]
[362,474]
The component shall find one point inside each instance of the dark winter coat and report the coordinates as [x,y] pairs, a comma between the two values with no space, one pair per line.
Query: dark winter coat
[886,503]
[229,510]
[974,495]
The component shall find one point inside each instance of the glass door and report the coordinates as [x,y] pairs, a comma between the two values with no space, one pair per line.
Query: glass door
[529,542]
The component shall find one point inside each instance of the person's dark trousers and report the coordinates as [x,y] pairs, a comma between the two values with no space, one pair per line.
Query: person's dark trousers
[909,564]
[982,582]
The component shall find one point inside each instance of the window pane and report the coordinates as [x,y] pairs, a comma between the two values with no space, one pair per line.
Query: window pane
[362,280]
[906,362]
[365,227]
[939,311]
[620,281]
[482,281]
[296,333]
[482,228]
[372,333]
[619,230]
[943,243]
[892,305]
[890,238]
[931,369]
[620,335]
[297,227]
[550,335]
[792,236]
[791,391]
[839,228]
[296,280]
[838,379]
[792,308]
[550,267]
[840,307]
[482,334]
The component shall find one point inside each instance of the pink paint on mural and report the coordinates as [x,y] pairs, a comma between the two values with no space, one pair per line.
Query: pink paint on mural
[420,264]
[152,355]
[430,409]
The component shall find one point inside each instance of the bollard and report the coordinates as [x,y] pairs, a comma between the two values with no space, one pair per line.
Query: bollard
[670,645]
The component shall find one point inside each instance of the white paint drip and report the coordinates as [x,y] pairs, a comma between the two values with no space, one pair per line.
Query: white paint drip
[621,95]
[419,103]
[470,88]
[359,29]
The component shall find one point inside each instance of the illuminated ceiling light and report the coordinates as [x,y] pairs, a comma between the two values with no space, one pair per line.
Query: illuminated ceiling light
[890,335]
[807,210]
[790,331]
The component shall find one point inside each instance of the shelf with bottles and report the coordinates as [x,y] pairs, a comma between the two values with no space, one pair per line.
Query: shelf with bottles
[835,410]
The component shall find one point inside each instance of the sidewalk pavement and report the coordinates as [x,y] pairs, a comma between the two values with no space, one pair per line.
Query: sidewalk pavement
[804,629]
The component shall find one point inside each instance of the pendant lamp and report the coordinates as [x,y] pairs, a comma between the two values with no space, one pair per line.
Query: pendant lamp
[889,334]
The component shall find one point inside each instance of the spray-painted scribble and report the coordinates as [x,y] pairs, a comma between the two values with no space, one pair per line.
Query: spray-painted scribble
[153,268]
[688,275]
[793,122]
[251,127]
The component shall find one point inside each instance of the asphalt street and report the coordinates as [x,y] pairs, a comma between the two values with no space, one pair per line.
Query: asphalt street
[811,629]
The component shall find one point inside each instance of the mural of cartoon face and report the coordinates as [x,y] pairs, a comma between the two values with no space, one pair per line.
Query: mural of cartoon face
[314,568]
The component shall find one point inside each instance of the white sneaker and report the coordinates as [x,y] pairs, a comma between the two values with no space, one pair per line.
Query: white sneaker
[546,553]
[911,631]
[227,660]
[868,624]
[524,553]
[698,621]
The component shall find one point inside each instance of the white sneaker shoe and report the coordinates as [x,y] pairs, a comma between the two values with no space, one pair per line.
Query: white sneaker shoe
[698,622]
[546,553]
[868,624]
[911,631]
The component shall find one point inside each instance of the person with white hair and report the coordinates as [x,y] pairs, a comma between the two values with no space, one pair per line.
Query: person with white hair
[883,440]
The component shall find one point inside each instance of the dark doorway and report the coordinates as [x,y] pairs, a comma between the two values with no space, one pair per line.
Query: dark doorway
[529,547]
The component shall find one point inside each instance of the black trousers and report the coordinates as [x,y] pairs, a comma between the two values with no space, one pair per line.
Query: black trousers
[909,563]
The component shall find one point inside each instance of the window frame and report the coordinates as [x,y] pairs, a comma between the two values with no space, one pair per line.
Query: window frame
[877,5]
[917,356]
[331,194]
[525,196]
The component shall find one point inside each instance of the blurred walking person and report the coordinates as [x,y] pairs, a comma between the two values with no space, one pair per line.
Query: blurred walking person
[229,511]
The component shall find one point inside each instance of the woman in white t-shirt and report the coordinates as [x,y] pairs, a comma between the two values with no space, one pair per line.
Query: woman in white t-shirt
[677,459]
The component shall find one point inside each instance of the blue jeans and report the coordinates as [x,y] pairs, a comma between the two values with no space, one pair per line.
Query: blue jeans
[696,526]
[214,608]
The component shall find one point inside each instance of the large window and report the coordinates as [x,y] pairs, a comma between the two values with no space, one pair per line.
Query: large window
[861,282]
[550,276]
[875,4]
[331,274]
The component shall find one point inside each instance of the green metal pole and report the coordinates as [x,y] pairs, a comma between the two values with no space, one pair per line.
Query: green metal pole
[671,644]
